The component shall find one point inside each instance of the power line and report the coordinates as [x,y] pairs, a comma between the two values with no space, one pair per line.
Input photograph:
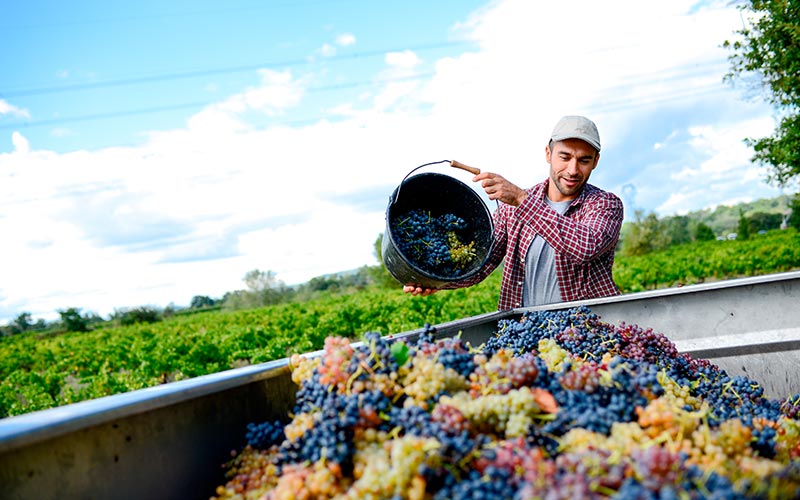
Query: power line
[101,116]
[609,106]
[606,105]
[626,103]
[196,104]
[214,71]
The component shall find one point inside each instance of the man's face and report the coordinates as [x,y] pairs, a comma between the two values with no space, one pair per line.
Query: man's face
[571,162]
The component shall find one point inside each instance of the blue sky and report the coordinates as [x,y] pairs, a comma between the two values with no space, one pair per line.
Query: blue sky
[151,64]
[153,151]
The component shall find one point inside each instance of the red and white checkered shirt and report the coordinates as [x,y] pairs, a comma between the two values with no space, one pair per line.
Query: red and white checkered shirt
[583,240]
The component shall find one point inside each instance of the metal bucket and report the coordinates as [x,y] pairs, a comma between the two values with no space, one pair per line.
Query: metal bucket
[438,194]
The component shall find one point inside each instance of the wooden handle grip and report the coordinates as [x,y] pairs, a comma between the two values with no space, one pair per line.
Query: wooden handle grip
[458,164]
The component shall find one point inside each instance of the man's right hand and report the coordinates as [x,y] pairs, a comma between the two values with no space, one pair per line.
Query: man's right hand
[418,290]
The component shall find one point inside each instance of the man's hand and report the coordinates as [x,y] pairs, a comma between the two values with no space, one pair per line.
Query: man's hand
[498,188]
[418,290]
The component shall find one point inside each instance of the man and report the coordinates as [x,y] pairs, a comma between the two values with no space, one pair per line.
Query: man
[558,237]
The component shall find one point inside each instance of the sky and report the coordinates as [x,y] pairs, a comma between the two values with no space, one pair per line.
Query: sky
[153,151]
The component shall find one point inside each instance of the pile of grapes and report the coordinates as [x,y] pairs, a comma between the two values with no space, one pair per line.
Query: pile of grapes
[434,244]
[557,405]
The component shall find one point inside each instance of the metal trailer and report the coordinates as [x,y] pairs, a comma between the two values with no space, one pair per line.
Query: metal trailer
[170,441]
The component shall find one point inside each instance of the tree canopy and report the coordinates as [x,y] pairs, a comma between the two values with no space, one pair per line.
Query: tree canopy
[767,54]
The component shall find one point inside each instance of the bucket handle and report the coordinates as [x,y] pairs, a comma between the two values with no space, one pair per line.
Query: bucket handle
[453,163]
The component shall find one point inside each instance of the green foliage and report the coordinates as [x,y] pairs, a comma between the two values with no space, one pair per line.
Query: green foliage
[143,314]
[338,282]
[23,322]
[780,152]
[743,229]
[703,233]
[775,251]
[72,320]
[762,221]
[677,229]
[201,301]
[45,369]
[768,52]
[400,352]
[724,219]
[379,275]
[642,236]
[650,233]
[42,371]
[381,278]
[794,218]
[263,289]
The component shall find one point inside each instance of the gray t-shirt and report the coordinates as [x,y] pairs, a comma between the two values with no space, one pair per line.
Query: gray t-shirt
[541,284]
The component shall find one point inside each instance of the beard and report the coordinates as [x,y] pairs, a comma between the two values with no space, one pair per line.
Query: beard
[568,186]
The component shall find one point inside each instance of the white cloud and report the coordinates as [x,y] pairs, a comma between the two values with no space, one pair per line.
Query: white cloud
[327,50]
[728,155]
[11,110]
[21,144]
[393,94]
[193,209]
[276,92]
[725,170]
[405,59]
[674,202]
[345,40]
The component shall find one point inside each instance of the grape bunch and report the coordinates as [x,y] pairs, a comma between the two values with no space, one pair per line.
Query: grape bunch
[265,434]
[434,244]
[555,405]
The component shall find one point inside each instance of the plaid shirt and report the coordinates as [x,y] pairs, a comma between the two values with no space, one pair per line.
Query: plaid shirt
[583,240]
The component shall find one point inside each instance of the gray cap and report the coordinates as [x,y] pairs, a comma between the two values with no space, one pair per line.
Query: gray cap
[576,127]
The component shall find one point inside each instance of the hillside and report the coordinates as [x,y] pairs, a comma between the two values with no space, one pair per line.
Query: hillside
[767,213]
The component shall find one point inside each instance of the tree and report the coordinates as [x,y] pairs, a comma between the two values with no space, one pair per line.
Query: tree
[23,322]
[72,320]
[142,314]
[644,235]
[379,275]
[200,301]
[322,283]
[702,232]
[794,216]
[769,50]
[169,311]
[677,230]
[765,221]
[238,299]
[263,289]
[743,229]
[257,280]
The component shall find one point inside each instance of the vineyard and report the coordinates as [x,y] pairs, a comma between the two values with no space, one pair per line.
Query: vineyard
[39,371]
[42,372]
[773,252]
